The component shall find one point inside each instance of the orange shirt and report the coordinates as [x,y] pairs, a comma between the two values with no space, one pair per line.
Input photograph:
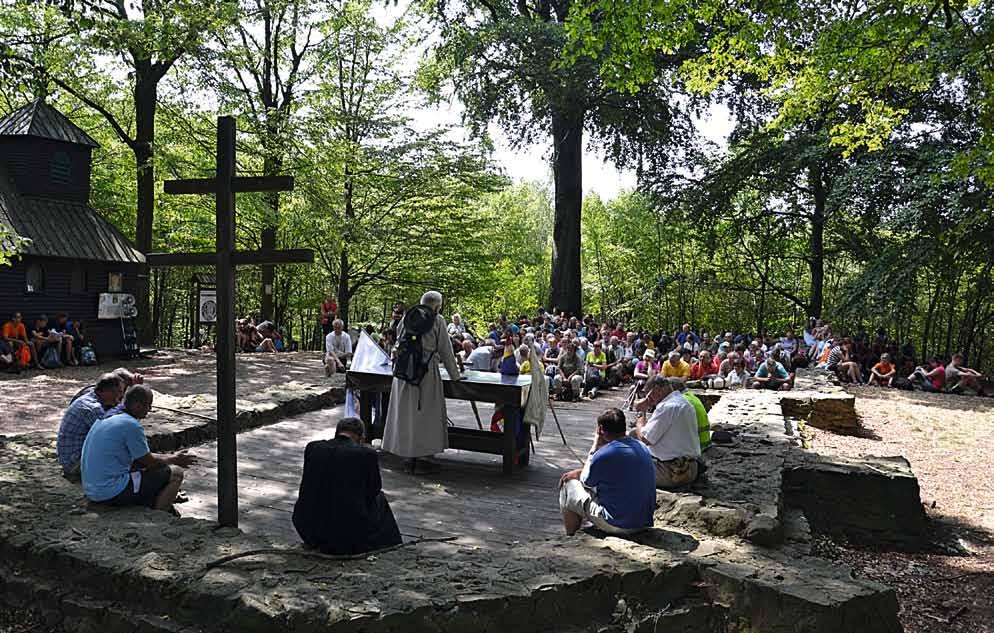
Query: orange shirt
[883,368]
[13,330]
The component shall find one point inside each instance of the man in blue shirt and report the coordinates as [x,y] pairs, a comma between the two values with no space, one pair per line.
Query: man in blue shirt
[82,413]
[772,375]
[616,489]
[118,468]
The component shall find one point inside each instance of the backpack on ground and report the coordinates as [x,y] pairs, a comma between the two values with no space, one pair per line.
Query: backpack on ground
[411,364]
[87,356]
[50,359]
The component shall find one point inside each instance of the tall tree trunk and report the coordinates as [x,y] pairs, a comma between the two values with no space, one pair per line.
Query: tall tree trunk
[270,167]
[565,292]
[344,275]
[816,244]
[146,99]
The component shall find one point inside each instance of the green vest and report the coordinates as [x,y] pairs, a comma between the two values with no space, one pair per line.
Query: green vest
[703,426]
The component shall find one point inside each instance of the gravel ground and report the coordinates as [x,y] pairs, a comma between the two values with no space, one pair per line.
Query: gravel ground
[944,438]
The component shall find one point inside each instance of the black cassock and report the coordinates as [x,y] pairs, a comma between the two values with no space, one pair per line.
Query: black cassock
[341,508]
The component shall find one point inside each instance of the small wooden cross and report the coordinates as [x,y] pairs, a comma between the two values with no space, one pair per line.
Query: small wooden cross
[223,187]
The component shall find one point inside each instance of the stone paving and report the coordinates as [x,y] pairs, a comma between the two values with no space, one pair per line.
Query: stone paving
[724,555]
[122,568]
[269,387]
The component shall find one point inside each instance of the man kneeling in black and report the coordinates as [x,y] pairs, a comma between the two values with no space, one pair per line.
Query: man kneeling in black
[341,508]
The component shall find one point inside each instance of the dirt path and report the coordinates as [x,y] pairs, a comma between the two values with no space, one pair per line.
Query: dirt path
[946,439]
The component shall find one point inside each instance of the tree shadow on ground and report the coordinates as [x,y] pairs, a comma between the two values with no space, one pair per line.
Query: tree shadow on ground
[946,586]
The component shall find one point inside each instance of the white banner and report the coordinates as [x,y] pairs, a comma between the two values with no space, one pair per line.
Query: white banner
[116,305]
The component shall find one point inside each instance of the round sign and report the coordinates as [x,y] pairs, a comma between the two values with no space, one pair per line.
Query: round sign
[208,311]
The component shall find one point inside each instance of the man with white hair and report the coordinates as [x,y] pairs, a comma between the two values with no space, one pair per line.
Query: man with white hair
[338,348]
[670,431]
[416,424]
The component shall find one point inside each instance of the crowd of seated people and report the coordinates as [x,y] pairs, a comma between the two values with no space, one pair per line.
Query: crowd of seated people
[43,343]
[581,356]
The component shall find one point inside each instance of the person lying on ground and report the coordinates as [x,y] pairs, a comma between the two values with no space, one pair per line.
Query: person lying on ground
[772,375]
[670,432]
[615,491]
[338,349]
[340,506]
[117,467]
[958,376]
[80,416]
[883,372]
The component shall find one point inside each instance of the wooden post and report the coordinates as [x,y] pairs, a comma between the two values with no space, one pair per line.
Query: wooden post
[227,455]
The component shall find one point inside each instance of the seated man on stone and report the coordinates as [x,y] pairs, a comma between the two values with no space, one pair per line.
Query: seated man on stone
[738,376]
[117,467]
[81,415]
[772,375]
[338,349]
[615,490]
[341,508]
[670,432]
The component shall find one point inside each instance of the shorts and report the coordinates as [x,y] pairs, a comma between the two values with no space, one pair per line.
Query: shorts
[674,473]
[578,499]
[150,484]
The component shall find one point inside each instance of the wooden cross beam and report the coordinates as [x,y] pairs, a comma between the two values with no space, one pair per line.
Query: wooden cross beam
[224,187]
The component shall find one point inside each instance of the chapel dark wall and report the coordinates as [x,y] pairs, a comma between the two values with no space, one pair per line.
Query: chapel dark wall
[56,297]
[47,169]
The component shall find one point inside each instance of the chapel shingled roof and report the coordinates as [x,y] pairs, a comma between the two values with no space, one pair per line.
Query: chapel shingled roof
[41,120]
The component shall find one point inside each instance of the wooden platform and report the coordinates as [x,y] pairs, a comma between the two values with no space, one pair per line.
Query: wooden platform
[470,498]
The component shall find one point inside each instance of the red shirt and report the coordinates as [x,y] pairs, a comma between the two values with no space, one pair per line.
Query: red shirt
[939,378]
[328,306]
[699,370]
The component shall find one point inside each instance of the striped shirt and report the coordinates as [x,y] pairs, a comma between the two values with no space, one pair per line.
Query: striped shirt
[76,423]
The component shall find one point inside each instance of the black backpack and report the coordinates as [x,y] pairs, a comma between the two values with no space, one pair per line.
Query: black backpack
[411,365]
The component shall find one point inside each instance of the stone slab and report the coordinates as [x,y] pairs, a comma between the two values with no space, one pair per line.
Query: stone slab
[155,567]
[870,500]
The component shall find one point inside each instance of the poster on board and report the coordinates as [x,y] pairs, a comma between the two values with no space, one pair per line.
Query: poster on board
[116,305]
[207,312]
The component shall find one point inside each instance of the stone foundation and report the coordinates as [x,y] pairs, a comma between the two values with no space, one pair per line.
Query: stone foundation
[110,570]
[872,500]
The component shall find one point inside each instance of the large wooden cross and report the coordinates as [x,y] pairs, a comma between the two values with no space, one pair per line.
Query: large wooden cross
[223,187]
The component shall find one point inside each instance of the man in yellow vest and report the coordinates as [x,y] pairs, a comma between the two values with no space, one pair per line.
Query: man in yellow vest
[703,424]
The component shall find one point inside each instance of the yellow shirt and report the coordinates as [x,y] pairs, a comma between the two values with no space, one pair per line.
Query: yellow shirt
[680,370]
[526,367]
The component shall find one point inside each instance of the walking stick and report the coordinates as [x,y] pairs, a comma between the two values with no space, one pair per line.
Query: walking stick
[476,412]
[556,418]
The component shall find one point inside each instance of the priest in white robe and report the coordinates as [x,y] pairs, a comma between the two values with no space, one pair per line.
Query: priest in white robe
[416,424]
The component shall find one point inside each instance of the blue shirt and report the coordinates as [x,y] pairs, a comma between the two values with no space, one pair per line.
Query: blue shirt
[625,479]
[778,372]
[76,423]
[110,447]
